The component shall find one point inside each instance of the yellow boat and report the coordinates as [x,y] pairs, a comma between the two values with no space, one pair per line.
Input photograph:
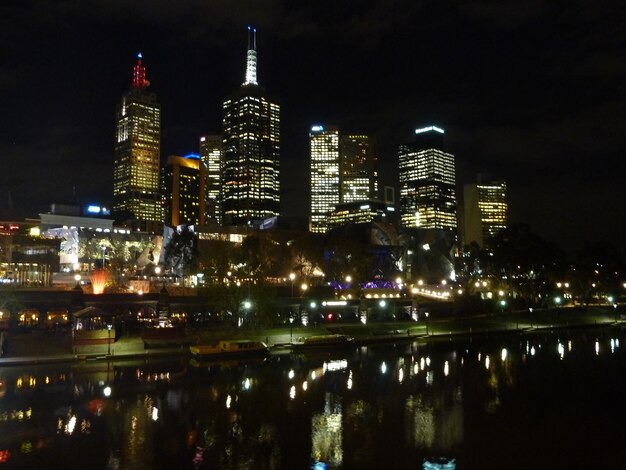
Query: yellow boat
[228,348]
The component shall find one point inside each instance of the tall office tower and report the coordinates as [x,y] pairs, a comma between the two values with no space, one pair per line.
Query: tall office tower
[357,169]
[211,158]
[427,182]
[325,187]
[184,190]
[251,150]
[485,210]
[137,155]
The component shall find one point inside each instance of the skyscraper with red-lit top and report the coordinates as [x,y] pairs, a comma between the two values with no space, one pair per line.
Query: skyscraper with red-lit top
[138,156]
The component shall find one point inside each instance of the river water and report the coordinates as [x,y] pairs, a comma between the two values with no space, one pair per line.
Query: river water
[532,401]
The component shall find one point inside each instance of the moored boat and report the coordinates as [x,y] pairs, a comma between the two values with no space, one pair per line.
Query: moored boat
[228,348]
[323,342]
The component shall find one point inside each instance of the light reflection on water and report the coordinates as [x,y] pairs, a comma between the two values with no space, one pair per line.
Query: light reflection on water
[485,403]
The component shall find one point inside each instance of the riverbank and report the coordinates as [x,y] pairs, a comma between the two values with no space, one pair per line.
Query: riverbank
[39,347]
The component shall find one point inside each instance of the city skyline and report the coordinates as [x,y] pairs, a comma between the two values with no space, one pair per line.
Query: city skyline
[532,96]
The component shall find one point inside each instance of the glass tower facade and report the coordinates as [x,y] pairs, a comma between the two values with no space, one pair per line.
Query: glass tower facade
[485,210]
[427,182]
[137,155]
[357,167]
[184,190]
[324,150]
[211,158]
[250,170]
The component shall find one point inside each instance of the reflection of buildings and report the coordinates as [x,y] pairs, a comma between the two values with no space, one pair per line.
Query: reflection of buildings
[435,423]
[327,433]
[485,210]
[251,150]
[137,155]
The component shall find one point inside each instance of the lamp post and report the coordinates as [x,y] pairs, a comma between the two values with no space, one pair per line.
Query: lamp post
[246,307]
[291,329]
[104,249]
[157,271]
[304,288]
[292,277]
[109,326]
[426,313]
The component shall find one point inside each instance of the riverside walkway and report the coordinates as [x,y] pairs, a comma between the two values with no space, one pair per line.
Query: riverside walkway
[40,347]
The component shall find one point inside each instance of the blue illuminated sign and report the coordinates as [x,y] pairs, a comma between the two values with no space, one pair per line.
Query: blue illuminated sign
[193,156]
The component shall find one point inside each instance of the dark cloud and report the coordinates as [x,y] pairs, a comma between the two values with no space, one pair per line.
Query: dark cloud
[506,14]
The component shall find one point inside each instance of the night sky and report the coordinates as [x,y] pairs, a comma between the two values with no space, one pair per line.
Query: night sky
[533,92]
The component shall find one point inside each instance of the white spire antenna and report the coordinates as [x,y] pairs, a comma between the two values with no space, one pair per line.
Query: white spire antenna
[251,59]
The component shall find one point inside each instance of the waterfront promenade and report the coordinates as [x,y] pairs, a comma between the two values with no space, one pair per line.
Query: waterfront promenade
[39,346]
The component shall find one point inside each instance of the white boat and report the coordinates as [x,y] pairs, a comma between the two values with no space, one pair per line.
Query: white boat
[323,342]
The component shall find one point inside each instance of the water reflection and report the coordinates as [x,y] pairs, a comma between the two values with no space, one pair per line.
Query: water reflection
[326,433]
[390,406]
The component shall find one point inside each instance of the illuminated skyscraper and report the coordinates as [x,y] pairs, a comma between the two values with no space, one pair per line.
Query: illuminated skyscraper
[211,157]
[357,169]
[251,150]
[485,210]
[137,155]
[427,182]
[184,185]
[325,187]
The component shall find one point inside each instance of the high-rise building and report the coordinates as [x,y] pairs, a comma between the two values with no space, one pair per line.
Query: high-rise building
[184,183]
[359,212]
[427,182]
[250,150]
[357,169]
[485,210]
[137,155]
[324,148]
[211,157]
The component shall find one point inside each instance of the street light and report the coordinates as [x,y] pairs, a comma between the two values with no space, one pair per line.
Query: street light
[426,313]
[77,279]
[157,271]
[109,326]
[292,277]
[291,328]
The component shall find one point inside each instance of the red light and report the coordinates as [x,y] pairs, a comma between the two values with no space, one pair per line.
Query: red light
[329,316]
[5,455]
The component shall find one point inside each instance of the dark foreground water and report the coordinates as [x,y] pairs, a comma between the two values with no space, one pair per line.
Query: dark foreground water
[536,401]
